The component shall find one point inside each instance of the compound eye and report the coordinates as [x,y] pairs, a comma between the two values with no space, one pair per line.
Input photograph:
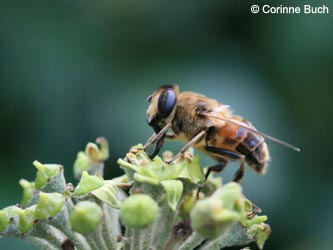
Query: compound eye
[166,102]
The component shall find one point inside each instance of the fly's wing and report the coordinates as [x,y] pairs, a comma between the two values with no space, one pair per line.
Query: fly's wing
[218,114]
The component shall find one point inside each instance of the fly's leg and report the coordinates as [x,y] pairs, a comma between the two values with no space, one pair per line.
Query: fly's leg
[240,172]
[158,146]
[193,141]
[158,139]
[215,168]
[230,154]
[255,210]
[223,163]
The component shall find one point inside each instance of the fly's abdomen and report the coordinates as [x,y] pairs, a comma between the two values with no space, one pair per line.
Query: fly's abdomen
[255,150]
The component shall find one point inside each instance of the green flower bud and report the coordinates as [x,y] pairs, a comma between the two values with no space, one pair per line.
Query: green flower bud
[139,210]
[28,190]
[85,217]
[210,219]
[229,195]
[5,215]
[82,163]
[260,232]
[4,220]
[45,173]
[26,219]
[88,183]
[92,158]
[49,205]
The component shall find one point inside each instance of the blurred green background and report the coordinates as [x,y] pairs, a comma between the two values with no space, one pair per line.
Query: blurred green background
[71,71]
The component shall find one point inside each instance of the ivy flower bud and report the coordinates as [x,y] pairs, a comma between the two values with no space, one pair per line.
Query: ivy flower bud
[260,232]
[229,194]
[4,220]
[138,211]
[82,163]
[5,215]
[26,219]
[45,173]
[85,217]
[28,190]
[49,205]
[210,219]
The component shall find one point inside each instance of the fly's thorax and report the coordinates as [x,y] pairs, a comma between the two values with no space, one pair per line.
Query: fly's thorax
[188,122]
[187,117]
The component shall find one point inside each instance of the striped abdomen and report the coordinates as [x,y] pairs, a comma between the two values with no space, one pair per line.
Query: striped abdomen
[255,150]
[240,140]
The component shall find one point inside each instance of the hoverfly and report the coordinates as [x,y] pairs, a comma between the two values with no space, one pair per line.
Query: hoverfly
[209,126]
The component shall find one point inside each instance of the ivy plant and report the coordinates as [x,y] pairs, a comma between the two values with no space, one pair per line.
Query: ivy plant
[154,205]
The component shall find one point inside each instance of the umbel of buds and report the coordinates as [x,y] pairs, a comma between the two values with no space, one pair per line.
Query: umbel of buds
[154,205]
